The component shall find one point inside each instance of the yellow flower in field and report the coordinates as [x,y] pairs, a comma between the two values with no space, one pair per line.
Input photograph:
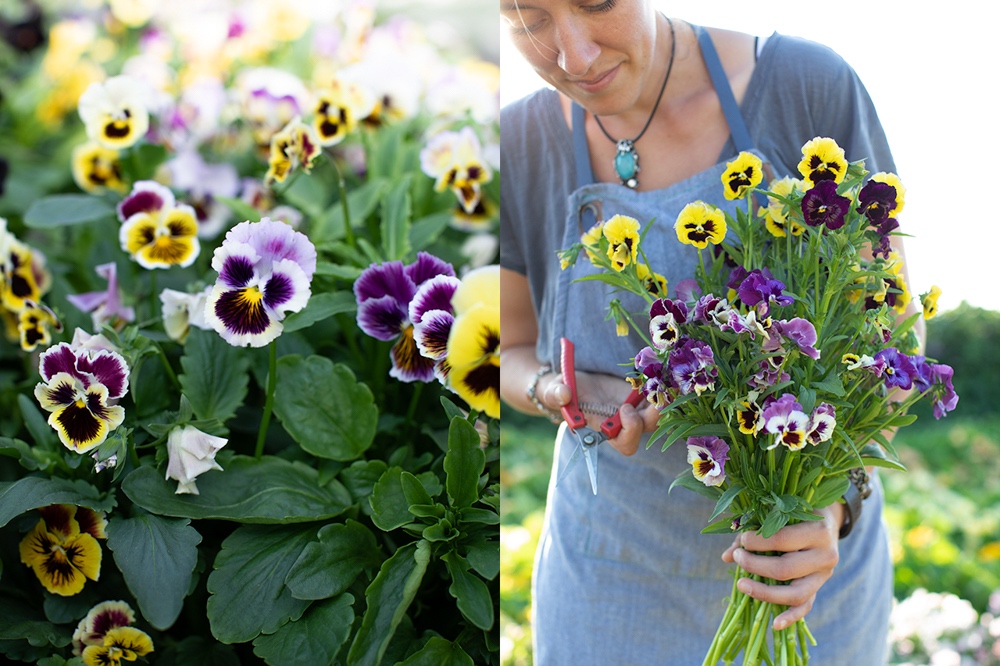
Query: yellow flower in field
[822,159]
[776,218]
[700,224]
[120,643]
[899,297]
[156,231]
[893,180]
[35,324]
[742,175]
[748,416]
[655,283]
[622,233]
[62,548]
[296,145]
[929,301]
[339,109]
[97,169]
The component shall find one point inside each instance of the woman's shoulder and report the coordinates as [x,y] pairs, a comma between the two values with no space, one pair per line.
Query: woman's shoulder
[539,103]
[797,55]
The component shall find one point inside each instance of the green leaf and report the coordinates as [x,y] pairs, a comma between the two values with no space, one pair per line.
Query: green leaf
[215,375]
[360,478]
[36,423]
[463,463]
[830,490]
[15,448]
[831,384]
[774,521]
[32,492]
[329,566]
[315,638]
[337,270]
[387,599]
[241,209]
[249,596]
[439,652]
[473,597]
[413,490]
[686,480]
[722,526]
[22,621]
[156,556]
[727,498]
[396,221]
[59,210]
[361,201]
[483,516]
[319,308]
[873,454]
[426,230]
[324,408]
[484,557]
[269,490]
[390,509]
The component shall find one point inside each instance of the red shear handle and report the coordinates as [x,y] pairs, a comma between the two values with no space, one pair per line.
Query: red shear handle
[571,411]
[612,426]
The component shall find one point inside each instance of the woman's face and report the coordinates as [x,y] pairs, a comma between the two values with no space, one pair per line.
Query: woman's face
[597,52]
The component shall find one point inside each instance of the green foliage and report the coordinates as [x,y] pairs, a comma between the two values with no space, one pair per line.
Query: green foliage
[967,338]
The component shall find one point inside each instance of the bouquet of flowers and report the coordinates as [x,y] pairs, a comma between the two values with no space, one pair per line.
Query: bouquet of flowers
[788,360]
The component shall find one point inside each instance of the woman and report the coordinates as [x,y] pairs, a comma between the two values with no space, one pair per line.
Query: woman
[625,577]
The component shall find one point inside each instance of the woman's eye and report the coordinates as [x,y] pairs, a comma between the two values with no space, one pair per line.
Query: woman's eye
[605,6]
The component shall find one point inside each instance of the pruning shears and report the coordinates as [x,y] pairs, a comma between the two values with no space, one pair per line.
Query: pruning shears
[587,439]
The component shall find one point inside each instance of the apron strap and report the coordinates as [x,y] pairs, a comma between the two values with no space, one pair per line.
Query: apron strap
[737,126]
[584,174]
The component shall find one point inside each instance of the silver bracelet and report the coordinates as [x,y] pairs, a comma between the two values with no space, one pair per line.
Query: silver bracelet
[532,392]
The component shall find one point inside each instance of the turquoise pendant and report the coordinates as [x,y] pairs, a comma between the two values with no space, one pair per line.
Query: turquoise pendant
[627,163]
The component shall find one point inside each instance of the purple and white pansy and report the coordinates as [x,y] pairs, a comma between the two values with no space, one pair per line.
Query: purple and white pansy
[707,457]
[432,315]
[265,271]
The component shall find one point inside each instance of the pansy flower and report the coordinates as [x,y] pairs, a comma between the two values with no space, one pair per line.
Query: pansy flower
[876,201]
[265,271]
[383,293]
[105,307]
[156,231]
[798,330]
[699,224]
[822,206]
[97,169]
[62,548]
[654,283]
[591,241]
[748,417]
[622,233]
[742,175]
[768,374]
[120,643]
[296,145]
[822,423]
[776,217]
[270,97]
[893,181]
[191,453]
[785,419]
[929,301]
[114,112]
[456,161]
[899,371]
[474,341]
[822,159]
[99,621]
[338,109]
[692,367]
[665,318]
[707,457]
[181,310]
[23,275]
[942,390]
[35,324]
[432,315]
[893,290]
[760,287]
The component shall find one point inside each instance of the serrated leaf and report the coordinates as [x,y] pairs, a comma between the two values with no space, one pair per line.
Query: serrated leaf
[215,375]
[439,652]
[32,492]
[463,463]
[247,587]
[315,638]
[324,407]
[320,307]
[387,599]
[264,491]
[156,556]
[329,566]
[59,210]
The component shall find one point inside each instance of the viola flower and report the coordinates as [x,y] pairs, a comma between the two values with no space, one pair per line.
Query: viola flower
[823,206]
[296,145]
[105,307]
[23,276]
[822,159]
[699,224]
[821,423]
[877,201]
[798,330]
[191,453]
[785,419]
[591,241]
[156,231]
[692,367]
[665,318]
[265,271]
[760,287]
[929,301]
[748,416]
[474,341]
[80,390]
[768,374]
[383,293]
[432,316]
[479,219]
[456,161]
[270,98]
[338,109]
[99,620]
[181,311]
[115,112]
[942,390]
[120,643]
[707,456]
[35,324]
[742,175]
[706,305]
[654,283]
[777,220]
[62,555]
[892,180]
[622,233]
[893,289]
[899,370]
[97,169]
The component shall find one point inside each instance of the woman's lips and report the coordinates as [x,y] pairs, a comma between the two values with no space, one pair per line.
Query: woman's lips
[598,84]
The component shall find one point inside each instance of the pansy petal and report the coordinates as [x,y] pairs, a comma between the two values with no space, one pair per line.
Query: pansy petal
[87,301]
[137,232]
[60,519]
[427,266]
[239,316]
[274,241]
[381,280]
[287,290]
[109,368]
[431,333]
[408,365]
[434,294]
[235,264]
[59,358]
[147,196]
[85,424]
[61,390]
[382,318]
[474,336]
[478,385]
[92,522]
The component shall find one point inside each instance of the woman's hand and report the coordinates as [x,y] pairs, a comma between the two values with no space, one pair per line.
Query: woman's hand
[604,390]
[809,553]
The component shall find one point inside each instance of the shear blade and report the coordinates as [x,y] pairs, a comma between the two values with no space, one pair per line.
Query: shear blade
[590,455]
[571,463]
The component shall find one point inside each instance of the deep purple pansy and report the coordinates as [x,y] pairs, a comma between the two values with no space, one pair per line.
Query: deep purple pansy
[823,206]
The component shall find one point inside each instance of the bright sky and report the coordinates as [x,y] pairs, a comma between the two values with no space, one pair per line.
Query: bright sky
[930,74]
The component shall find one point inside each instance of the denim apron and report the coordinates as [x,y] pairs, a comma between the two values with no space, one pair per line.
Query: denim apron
[625,577]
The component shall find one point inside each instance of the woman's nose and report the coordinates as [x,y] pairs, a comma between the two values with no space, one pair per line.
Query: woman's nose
[577,49]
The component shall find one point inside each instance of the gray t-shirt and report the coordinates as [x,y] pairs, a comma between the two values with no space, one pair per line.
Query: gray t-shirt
[799,90]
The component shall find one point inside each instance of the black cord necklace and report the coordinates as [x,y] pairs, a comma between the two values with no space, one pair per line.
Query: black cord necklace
[626,161]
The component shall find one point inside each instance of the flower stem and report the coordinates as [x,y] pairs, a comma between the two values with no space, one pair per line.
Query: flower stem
[342,187]
[272,382]
[166,366]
